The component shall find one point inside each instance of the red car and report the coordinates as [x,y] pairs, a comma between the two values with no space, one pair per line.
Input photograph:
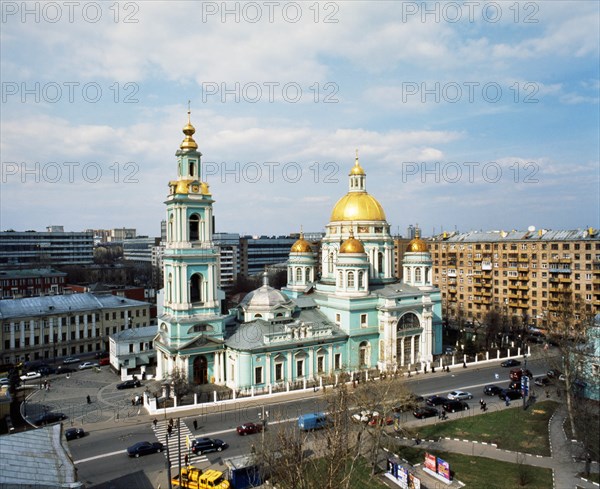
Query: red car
[378,420]
[249,428]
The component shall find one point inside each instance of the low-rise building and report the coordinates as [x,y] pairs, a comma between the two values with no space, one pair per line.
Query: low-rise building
[15,284]
[133,348]
[46,328]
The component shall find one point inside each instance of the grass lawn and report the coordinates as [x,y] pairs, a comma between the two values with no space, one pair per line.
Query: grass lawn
[594,477]
[361,476]
[478,472]
[511,429]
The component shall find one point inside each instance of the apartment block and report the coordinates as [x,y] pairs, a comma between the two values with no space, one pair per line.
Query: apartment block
[517,273]
[56,326]
[15,284]
[41,249]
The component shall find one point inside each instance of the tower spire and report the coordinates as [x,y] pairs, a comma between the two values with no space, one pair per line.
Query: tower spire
[188,142]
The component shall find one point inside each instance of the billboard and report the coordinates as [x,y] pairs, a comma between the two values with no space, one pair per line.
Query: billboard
[443,468]
[430,462]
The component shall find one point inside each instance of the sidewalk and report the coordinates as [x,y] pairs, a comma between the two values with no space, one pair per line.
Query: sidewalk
[562,462]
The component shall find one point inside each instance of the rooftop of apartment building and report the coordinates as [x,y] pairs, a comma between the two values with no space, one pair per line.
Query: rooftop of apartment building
[63,304]
[529,235]
[31,273]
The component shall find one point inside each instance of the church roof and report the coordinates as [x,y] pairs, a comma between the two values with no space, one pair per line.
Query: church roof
[264,298]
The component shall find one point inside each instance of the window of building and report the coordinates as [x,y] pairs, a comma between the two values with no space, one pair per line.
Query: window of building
[320,364]
[337,361]
[258,375]
[299,368]
[278,372]
[131,348]
[363,320]
[350,280]
[338,318]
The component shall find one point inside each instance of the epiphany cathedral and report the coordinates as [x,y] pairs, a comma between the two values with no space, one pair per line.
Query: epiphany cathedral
[355,316]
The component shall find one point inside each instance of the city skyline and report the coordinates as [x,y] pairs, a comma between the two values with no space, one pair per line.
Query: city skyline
[465,115]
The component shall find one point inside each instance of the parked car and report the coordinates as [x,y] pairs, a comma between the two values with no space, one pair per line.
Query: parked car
[104,361]
[517,373]
[510,394]
[553,373]
[510,363]
[460,395]
[515,385]
[492,390]
[455,405]
[86,365]
[69,360]
[363,416]
[425,412]
[205,445]
[61,369]
[435,400]
[542,381]
[249,428]
[47,370]
[408,403]
[129,384]
[378,420]
[48,418]
[73,433]
[144,448]
[30,376]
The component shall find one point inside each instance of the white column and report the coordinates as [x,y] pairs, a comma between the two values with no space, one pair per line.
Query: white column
[60,328]
[330,360]
[94,326]
[12,335]
[22,336]
[77,332]
[217,368]
[223,359]
[85,326]
[31,332]
[412,350]
[289,366]
[311,360]
[268,369]
[402,351]
[51,326]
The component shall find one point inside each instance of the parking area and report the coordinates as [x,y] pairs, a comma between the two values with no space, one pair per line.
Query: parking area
[84,396]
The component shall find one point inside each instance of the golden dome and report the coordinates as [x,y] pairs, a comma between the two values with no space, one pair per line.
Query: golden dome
[357,206]
[183,186]
[301,246]
[357,169]
[352,245]
[204,188]
[189,130]
[417,245]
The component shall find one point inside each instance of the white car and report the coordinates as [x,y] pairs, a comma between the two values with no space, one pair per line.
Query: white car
[460,395]
[30,376]
[85,365]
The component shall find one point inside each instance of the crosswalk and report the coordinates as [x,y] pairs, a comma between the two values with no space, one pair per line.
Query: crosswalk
[161,432]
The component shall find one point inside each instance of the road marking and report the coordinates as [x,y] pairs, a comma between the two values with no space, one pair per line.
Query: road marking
[104,455]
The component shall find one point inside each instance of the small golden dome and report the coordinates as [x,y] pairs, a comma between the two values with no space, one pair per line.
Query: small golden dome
[189,130]
[204,190]
[357,206]
[183,186]
[417,245]
[301,246]
[356,169]
[352,245]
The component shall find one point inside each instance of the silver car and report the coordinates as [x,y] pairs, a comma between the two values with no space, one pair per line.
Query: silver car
[460,395]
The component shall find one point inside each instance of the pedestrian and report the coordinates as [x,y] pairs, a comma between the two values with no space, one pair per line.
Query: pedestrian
[155,422]
[507,401]
[195,425]
[132,401]
[417,440]
[484,406]
[481,403]
[89,399]
[169,430]
[253,449]
[186,459]
[464,364]
[171,422]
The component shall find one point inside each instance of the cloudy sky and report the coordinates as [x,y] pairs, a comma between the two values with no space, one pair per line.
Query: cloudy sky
[466,115]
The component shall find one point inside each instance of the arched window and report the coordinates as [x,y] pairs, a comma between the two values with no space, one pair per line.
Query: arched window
[417,275]
[361,279]
[363,354]
[194,227]
[409,321]
[170,288]
[257,316]
[196,288]
[350,280]
[340,279]
[380,262]
[192,168]
[298,274]
[330,263]
[170,236]
[307,274]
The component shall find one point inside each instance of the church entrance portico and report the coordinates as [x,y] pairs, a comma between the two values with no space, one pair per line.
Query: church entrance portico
[200,370]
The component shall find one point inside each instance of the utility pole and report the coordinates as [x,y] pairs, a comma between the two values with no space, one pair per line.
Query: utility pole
[168,461]
[179,445]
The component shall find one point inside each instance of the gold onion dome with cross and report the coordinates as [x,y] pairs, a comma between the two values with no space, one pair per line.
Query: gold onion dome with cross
[352,245]
[301,245]
[357,204]
[417,245]
[189,130]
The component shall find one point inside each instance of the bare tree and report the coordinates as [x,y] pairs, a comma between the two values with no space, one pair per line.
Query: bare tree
[567,325]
